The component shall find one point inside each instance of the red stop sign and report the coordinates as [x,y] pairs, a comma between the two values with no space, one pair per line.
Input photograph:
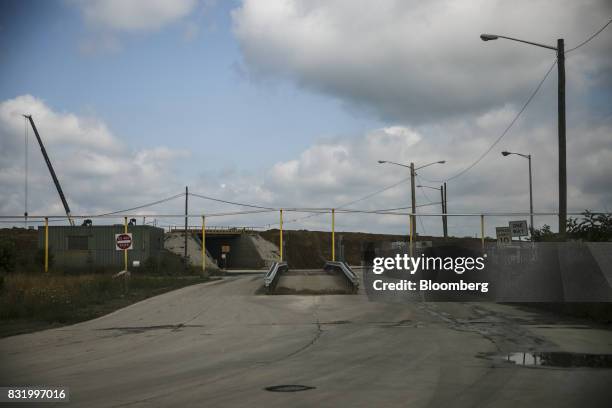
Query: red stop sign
[124,241]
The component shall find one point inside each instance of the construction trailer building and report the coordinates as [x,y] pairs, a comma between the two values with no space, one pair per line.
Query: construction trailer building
[93,248]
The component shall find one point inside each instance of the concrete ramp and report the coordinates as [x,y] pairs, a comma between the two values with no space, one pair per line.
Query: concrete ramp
[334,278]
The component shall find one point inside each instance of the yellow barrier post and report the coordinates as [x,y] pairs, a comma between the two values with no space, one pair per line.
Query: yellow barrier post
[203,245]
[281,235]
[482,237]
[125,253]
[333,234]
[46,244]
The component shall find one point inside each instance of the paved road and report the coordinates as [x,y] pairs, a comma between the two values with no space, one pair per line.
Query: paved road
[220,344]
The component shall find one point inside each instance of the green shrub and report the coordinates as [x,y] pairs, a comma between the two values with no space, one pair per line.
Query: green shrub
[591,228]
[8,255]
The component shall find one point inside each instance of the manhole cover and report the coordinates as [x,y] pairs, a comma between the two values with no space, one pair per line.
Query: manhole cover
[288,388]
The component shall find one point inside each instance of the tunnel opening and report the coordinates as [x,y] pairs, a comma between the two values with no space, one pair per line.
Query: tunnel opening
[233,250]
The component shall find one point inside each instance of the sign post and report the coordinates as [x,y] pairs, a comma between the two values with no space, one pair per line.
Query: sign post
[504,236]
[518,228]
[124,242]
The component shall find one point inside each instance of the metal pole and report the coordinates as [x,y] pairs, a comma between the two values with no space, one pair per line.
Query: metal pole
[413,200]
[46,244]
[203,245]
[281,235]
[562,149]
[186,220]
[333,235]
[530,198]
[445,212]
[410,246]
[125,254]
[482,236]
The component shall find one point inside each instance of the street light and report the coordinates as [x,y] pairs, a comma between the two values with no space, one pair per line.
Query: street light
[560,49]
[412,185]
[528,157]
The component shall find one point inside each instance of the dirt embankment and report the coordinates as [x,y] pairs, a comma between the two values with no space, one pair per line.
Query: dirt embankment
[310,249]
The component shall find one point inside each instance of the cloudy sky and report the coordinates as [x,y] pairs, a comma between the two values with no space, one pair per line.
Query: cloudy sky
[291,103]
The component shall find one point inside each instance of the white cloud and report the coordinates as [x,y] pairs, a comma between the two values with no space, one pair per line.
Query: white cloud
[134,15]
[321,177]
[97,171]
[414,60]
[100,174]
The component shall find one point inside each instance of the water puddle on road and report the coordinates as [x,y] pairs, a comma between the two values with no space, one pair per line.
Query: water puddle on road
[558,359]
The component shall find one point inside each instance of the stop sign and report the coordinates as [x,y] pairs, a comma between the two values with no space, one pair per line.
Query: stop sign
[123,241]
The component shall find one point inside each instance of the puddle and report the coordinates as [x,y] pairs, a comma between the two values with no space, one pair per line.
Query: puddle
[559,359]
[289,388]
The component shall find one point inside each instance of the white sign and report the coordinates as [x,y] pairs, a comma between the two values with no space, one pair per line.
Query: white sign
[123,241]
[518,228]
[504,235]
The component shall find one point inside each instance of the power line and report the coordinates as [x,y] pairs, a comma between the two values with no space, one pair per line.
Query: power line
[422,189]
[231,202]
[533,94]
[145,205]
[367,196]
[504,133]
[382,190]
[590,38]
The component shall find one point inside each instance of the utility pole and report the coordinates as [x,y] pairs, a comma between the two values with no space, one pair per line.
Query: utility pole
[445,199]
[413,196]
[443,210]
[560,50]
[412,192]
[562,150]
[186,225]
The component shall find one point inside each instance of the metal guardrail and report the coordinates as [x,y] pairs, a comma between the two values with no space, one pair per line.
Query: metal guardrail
[270,278]
[211,229]
[346,269]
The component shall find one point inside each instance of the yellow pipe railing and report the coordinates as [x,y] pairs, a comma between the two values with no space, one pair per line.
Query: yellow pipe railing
[333,234]
[125,253]
[281,236]
[203,245]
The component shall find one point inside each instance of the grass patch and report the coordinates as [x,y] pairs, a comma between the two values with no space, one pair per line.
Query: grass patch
[30,302]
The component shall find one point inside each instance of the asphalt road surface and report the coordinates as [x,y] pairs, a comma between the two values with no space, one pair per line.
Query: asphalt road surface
[220,344]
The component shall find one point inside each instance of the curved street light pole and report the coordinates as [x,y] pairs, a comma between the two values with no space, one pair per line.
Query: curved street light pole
[560,49]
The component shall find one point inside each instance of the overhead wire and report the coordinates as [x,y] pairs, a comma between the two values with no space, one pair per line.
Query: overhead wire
[590,38]
[144,205]
[503,134]
[533,94]
[219,200]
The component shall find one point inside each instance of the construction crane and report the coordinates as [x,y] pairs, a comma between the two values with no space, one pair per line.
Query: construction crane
[50,167]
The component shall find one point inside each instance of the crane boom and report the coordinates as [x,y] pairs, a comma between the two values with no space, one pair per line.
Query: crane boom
[50,166]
